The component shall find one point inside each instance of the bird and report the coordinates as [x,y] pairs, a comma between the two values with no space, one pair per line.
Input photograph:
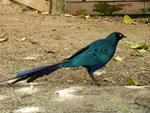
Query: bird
[92,57]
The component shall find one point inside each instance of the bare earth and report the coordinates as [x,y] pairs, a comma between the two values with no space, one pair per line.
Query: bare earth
[36,40]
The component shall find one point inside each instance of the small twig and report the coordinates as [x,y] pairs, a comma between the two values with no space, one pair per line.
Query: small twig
[50,51]
[33,42]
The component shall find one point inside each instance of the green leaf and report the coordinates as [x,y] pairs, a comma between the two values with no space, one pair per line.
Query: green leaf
[117,58]
[3,39]
[135,44]
[127,19]
[124,109]
[142,46]
[68,15]
[85,16]
[128,42]
[45,13]
[15,66]
[136,53]
[59,38]
[141,50]
[130,81]
[63,70]
[23,39]
[36,11]
[31,87]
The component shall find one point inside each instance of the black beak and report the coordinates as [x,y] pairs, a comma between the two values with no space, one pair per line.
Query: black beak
[124,36]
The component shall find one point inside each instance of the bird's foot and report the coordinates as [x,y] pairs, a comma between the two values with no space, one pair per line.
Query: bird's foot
[96,83]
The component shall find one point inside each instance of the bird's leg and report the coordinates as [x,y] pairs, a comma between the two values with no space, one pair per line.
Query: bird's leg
[94,80]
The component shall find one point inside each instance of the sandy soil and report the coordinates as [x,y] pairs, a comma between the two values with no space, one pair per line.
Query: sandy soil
[36,40]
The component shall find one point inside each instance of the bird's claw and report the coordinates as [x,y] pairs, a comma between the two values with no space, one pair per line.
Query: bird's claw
[96,83]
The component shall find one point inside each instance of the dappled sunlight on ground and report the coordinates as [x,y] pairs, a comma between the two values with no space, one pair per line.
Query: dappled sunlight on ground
[27,110]
[26,90]
[67,93]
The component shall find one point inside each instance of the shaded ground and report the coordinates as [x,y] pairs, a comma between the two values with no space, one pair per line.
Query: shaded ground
[32,43]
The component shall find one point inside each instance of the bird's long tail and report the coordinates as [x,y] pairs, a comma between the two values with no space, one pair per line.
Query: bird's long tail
[33,74]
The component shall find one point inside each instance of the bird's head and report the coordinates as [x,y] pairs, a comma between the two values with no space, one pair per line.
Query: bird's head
[119,35]
[115,37]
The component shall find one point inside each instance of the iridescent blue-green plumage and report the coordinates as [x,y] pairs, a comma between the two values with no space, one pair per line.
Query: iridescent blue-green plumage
[92,57]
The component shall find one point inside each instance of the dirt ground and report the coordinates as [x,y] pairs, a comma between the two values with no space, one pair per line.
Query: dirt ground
[36,40]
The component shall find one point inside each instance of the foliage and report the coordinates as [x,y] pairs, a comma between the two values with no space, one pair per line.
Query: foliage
[124,109]
[130,81]
[106,9]
[68,15]
[139,48]
[145,10]
[117,58]
[127,19]
[31,87]
[3,39]
[59,38]
[63,70]
[85,16]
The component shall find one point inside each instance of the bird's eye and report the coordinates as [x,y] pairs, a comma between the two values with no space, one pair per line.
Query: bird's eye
[120,35]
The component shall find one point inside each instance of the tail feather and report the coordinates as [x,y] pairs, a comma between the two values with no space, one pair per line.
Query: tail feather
[20,79]
[33,78]
[9,79]
[33,74]
[33,71]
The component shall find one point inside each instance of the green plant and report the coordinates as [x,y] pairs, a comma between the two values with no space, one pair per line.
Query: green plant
[106,9]
[124,109]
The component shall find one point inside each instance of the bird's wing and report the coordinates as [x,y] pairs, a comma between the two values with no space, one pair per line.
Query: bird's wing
[100,51]
[103,54]
[77,53]
[96,43]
